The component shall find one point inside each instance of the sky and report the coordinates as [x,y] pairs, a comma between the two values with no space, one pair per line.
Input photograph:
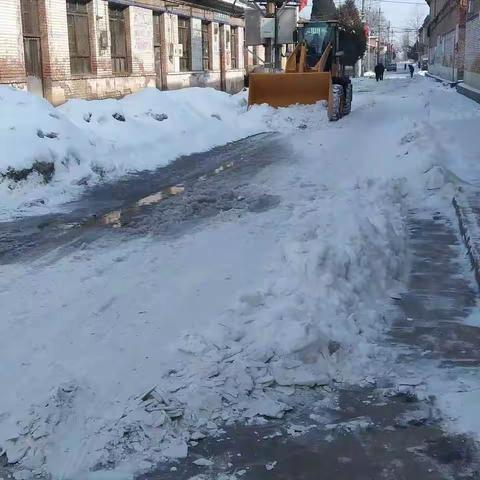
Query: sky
[400,13]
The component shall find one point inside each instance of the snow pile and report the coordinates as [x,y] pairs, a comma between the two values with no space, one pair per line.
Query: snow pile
[309,321]
[119,357]
[151,128]
[32,130]
[50,154]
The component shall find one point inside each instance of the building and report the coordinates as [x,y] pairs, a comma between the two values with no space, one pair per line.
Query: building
[472,46]
[446,34]
[98,48]
[422,44]
[377,51]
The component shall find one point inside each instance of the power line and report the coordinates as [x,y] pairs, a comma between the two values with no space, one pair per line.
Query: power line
[399,1]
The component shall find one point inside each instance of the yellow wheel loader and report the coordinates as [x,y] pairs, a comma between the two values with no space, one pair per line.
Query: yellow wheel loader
[313,72]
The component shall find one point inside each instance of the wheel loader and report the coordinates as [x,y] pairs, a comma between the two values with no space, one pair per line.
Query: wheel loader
[313,72]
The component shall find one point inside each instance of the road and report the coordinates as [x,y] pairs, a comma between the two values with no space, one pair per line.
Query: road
[203,185]
[213,278]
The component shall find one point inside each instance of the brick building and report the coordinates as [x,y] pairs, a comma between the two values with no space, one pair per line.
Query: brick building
[472,45]
[108,48]
[446,32]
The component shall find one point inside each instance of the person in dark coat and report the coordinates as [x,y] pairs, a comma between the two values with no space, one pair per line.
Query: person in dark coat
[382,70]
[412,69]
[378,72]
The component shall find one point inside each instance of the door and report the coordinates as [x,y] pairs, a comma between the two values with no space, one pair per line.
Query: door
[223,86]
[33,65]
[31,46]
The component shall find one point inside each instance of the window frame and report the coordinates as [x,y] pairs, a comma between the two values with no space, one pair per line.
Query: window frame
[118,59]
[234,57]
[185,40]
[80,62]
[29,10]
[206,49]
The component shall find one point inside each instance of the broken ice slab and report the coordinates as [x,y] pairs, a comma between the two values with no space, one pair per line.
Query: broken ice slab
[266,407]
[203,462]
[155,400]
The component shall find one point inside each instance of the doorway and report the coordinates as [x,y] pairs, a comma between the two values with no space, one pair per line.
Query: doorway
[32,46]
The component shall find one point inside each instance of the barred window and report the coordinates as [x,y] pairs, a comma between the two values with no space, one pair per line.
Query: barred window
[78,37]
[206,46]
[184,39]
[118,38]
[234,46]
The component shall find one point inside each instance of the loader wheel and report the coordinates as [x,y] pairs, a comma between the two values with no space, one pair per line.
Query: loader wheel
[337,102]
[347,108]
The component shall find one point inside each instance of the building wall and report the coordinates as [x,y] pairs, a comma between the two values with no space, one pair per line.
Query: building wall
[472,51]
[12,63]
[58,82]
[447,39]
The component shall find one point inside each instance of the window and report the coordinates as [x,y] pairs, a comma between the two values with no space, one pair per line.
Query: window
[118,38]
[184,40]
[206,46]
[31,38]
[78,38]
[234,48]
[30,20]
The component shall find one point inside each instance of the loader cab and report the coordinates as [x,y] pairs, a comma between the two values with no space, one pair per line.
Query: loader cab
[317,35]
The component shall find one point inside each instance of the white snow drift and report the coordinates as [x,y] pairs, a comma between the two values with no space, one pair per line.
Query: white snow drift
[90,141]
[118,356]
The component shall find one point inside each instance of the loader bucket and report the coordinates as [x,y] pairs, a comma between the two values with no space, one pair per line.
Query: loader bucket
[284,89]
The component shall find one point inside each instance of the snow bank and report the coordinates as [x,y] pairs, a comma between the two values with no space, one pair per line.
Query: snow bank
[308,320]
[50,154]
[122,356]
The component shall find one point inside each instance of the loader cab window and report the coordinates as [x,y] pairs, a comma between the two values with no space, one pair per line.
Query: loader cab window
[317,38]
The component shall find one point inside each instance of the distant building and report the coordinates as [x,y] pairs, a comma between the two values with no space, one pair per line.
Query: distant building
[422,45]
[446,35]
[97,48]
[472,45]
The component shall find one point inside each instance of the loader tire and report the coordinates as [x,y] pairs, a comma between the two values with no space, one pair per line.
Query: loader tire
[347,108]
[338,100]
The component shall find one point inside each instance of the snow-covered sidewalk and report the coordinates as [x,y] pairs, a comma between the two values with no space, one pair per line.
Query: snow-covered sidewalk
[119,354]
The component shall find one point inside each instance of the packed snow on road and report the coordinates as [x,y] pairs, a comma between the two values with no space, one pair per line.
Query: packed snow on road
[121,353]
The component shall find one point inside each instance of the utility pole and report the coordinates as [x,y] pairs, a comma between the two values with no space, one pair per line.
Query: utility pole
[389,50]
[378,34]
[270,43]
[360,61]
[278,48]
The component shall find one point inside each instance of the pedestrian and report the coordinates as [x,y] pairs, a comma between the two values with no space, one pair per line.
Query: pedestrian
[404,66]
[377,72]
[382,70]
[412,69]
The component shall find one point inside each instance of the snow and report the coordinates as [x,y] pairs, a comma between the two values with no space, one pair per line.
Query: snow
[122,353]
[93,141]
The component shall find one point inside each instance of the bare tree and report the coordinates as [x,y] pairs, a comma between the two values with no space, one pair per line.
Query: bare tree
[406,44]
[416,19]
